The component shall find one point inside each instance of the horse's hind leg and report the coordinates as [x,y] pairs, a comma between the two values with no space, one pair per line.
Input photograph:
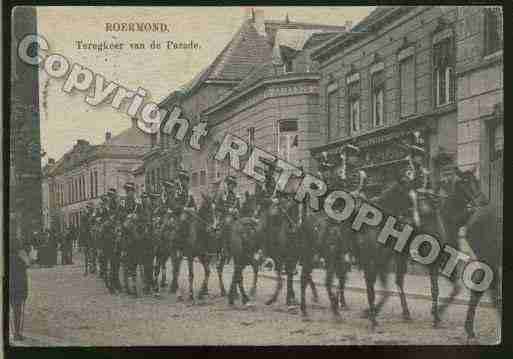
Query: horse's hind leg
[313,287]
[176,264]
[399,281]
[220,268]
[190,263]
[342,276]
[383,278]
[279,283]
[240,281]
[330,273]
[163,270]
[305,279]
[291,297]
[254,266]
[370,280]
[433,276]
[475,296]
[206,266]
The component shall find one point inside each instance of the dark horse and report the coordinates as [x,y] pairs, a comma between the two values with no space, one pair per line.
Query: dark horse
[239,241]
[483,234]
[193,239]
[282,242]
[375,258]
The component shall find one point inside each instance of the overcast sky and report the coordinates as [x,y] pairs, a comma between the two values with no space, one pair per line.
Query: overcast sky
[68,118]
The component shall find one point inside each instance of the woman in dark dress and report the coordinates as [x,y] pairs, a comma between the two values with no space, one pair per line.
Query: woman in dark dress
[18,284]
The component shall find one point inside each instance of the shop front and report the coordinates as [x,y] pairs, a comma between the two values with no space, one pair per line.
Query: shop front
[380,153]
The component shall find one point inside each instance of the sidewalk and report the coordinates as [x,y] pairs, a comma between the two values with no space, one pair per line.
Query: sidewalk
[415,286]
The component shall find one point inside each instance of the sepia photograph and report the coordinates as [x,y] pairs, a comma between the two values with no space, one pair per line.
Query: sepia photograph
[254,176]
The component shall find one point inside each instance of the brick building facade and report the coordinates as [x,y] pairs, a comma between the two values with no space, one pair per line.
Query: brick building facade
[480,98]
[398,71]
[263,87]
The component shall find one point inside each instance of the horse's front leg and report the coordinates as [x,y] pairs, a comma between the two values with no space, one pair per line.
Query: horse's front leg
[330,273]
[190,263]
[279,283]
[206,267]
[240,281]
[433,276]
[176,264]
[475,297]
[291,296]
[342,270]
[370,280]
[254,266]
[305,276]
[399,281]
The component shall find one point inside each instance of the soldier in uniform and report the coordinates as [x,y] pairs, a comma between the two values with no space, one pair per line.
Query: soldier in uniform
[128,239]
[109,242]
[85,234]
[183,201]
[265,192]
[100,239]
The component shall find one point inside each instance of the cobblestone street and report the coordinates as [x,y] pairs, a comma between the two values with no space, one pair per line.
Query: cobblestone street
[66,308]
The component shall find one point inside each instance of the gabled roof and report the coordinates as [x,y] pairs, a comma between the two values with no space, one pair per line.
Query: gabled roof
[235,61]
[246,50]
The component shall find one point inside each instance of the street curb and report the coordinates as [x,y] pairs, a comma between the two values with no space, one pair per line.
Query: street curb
[395,294]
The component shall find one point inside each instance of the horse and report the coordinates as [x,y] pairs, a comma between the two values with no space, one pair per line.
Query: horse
[165,229]
[483,234]
[239,241]
[282,232]
[375,258]
[193,239]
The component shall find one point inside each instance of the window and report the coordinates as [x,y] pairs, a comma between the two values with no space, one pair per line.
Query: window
[407,89]
[91,184]
[444,59]
[96,183]
[203,178]
[378,89]
[287,65]
[493,29]
[194,179]
[287,139]
[353,95]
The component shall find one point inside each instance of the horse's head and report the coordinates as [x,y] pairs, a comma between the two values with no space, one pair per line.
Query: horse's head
[468,188]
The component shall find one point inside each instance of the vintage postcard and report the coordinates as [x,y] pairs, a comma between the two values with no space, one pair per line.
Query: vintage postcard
[255,176]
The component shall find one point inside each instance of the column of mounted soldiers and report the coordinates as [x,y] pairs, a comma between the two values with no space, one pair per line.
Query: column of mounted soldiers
[122,237]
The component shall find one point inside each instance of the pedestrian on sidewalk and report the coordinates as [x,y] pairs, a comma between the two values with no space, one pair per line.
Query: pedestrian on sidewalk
[19,261]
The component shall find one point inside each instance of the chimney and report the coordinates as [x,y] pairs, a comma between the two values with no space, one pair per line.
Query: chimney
[259,21]
[108,136]
[348,25]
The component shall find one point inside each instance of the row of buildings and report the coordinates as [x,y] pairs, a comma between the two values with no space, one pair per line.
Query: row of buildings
[298,90]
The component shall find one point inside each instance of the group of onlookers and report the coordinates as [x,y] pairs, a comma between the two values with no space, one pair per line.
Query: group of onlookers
[50,242]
